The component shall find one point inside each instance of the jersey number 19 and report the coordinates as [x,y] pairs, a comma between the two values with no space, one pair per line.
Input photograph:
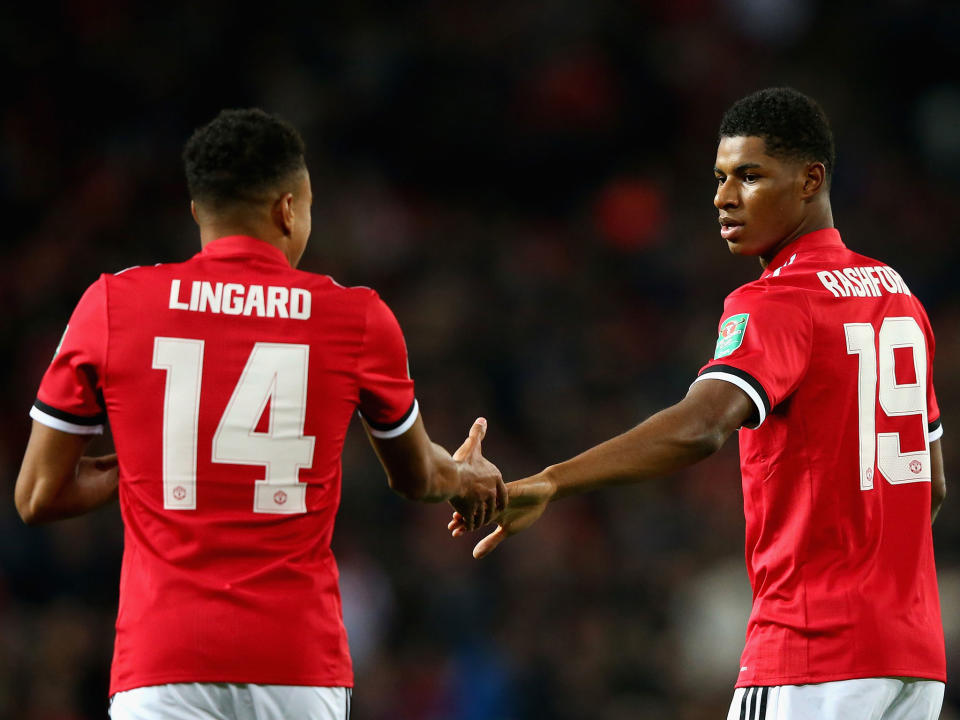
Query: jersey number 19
[877,381]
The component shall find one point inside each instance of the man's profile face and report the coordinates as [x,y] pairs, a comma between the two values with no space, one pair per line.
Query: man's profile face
[758,197]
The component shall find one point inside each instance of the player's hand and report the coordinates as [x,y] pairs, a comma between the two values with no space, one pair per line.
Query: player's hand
[526,501]
[482,493]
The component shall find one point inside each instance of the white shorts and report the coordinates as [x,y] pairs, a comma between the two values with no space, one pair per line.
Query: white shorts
[231,701]
[860,699]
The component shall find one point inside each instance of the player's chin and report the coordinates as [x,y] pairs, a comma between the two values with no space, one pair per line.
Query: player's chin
[742,245]
[738,247]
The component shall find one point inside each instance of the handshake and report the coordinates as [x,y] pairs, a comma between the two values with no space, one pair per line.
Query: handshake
[485,499]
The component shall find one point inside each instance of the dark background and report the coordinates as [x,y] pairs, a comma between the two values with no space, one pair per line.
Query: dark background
[528,184]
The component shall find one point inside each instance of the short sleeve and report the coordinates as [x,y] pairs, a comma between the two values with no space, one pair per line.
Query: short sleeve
[387,401]
[70,398]
[763,346]
[934,426]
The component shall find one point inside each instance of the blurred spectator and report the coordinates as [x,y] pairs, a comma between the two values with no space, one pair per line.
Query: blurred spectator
[528,185]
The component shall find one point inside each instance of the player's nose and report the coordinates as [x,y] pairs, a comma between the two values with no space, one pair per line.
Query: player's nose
[726,196]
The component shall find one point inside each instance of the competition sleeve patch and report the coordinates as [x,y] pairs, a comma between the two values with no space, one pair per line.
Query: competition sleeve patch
[731,335]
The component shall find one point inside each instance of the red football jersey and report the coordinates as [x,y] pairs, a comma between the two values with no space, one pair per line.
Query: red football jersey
[837,355]
[229,381]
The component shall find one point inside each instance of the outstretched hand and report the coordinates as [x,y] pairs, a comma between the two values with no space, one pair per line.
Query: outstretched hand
[526,501]
[483,494]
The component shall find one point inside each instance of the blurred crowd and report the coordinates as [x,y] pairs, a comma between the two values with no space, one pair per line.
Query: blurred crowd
[528,185]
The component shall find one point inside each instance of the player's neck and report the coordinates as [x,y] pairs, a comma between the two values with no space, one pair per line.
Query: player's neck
[820,220]
[216,230]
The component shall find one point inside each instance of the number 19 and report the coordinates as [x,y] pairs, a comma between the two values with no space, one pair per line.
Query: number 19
[878,381]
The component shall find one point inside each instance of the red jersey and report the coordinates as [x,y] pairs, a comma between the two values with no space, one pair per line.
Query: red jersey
[837,355]
[229,381]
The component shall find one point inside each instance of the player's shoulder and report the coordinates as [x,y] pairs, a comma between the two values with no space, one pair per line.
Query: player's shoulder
[770,288]
[138,280]
[852,258]
[106,281]
[141,272]
[781,300]
[360,299]
[327,283]
[134,270]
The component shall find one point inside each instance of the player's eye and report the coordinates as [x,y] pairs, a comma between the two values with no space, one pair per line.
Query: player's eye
[720,180]
[751,177]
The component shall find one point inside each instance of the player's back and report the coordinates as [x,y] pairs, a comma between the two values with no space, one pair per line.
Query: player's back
[837,478]
[231,379]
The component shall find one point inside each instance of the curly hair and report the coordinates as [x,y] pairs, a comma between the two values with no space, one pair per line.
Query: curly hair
[239,155]
[792,125]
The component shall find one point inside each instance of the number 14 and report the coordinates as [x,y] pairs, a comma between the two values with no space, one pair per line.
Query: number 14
[878,381]
[274,373]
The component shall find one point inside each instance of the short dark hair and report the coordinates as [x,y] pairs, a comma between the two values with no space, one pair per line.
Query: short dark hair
[239,155]
[791,124]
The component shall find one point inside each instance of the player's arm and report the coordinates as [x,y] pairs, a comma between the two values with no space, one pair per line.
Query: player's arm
[419,469]
[416,467]
[56,481]
[674,438]
[938,489]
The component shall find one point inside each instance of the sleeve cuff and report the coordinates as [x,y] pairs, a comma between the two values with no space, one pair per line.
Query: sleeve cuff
[385,431]
[66,422]
[746,382]
[934,430]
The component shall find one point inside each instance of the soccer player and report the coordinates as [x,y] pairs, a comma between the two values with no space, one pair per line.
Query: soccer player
[825,363]
[229,381]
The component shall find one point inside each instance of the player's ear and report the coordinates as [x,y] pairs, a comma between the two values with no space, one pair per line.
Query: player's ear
[814,178]
[193,211]
[283,214]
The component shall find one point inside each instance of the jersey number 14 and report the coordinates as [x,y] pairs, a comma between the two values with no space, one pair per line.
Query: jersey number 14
[274,373]
[877,382]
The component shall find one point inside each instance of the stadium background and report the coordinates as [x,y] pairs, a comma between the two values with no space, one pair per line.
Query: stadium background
[528,184]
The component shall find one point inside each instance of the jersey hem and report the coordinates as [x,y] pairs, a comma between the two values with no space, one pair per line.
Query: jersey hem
[835,677]
[320,681]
